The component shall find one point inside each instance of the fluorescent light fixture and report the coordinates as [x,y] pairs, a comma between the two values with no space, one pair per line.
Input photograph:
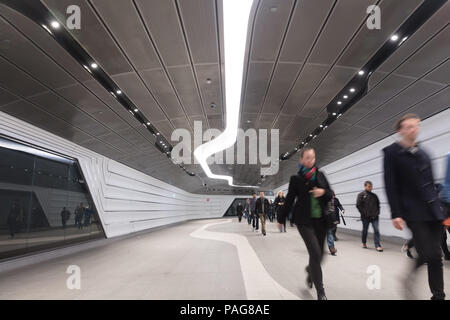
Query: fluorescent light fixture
[235,24]
[339,102]
[403,40]
[94,65]
[87,68]
[361,72]
[46,28]
[55,24]
[345,96]
[352,89]
[325,127]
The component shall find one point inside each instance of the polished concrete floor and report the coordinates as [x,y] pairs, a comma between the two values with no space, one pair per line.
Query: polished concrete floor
[216,259]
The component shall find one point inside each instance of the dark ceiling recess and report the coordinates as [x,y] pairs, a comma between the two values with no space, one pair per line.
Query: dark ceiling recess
[39,14]
[356,88]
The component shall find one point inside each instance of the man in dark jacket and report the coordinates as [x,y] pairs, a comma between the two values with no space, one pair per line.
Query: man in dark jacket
[368,206]
[255,220]
[262,210]
[279,205]
[239,210]
[409,183]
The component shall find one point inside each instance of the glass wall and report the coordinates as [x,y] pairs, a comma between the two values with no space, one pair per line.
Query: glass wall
[44,200]
[232,209]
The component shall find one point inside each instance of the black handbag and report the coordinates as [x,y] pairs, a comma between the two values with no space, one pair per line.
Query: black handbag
[330,215]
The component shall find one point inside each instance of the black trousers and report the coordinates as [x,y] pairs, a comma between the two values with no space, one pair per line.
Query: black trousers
[427,240]
[255,219]
[314,236]
[444,242]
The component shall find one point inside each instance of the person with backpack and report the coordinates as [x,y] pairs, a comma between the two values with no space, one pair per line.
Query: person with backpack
[368,206]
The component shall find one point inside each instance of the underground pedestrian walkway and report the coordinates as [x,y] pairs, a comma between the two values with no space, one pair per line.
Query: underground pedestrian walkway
[214,259]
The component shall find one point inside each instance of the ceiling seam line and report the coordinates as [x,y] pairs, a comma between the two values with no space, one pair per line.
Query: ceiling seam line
[216,16]
[51,90]
[322,27]
[56,116]
[186,43]
[331,68]
[161,60]
[401,91]
[131,64]
[250,46]
[398,66]
[77,80]
[275,64]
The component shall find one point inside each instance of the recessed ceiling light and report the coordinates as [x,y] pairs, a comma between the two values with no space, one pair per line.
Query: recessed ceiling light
[310,135]
[55,24]
[334,113]
[352,89]
[345,96]
[119,92]
[361,72]
[94,65]
[321,126]
[157,133]
[136,110]
[339,102]
[394,37]
[148,123]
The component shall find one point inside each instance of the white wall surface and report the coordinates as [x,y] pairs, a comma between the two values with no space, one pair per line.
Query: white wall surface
[127,200]
[348,174]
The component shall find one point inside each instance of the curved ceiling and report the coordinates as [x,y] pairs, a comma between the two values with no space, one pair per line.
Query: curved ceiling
[167,57]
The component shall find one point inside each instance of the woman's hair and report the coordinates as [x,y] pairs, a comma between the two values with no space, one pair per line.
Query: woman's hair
[305,149]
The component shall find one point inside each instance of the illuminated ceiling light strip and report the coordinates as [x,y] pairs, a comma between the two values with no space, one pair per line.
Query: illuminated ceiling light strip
[236,16]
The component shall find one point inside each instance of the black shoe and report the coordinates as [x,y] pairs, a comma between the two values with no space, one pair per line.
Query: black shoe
[408,253]
[322,297]
[308,279]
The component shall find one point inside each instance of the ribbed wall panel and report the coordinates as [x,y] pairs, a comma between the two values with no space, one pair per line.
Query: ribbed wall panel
[126,200]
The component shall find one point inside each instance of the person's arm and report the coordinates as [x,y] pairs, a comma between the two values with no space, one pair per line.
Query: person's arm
[359,203]
[391,186]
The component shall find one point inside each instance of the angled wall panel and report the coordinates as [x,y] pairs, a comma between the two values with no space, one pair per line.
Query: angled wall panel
[127,200]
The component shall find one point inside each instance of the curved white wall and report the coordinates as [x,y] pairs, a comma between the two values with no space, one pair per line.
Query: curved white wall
[348,174]
[127,200]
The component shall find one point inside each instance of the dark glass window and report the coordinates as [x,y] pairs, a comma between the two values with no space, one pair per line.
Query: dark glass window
[45,201]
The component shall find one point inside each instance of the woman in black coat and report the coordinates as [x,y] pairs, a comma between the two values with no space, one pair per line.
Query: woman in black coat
[312,191]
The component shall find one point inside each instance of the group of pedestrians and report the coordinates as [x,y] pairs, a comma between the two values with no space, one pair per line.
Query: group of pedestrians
[411,194]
